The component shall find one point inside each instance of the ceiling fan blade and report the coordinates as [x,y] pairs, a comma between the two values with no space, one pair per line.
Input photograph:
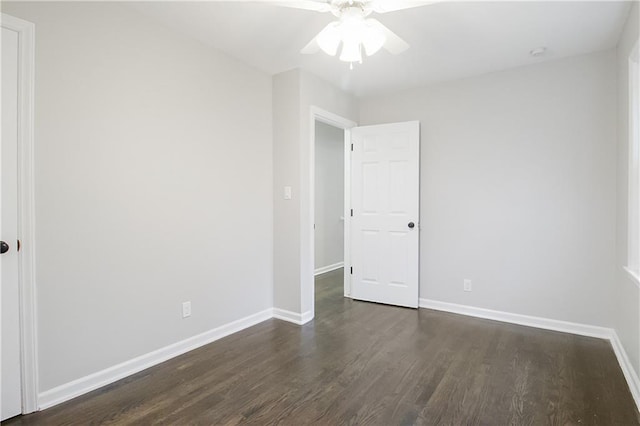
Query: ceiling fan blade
[393,43]
[311,47]
[383,6]
[316,5]
[328,40]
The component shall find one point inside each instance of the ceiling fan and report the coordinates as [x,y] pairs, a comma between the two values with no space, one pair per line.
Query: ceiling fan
[355,31]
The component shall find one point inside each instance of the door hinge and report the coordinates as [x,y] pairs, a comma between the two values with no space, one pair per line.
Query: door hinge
[352,270]
[351,147]
[351,212]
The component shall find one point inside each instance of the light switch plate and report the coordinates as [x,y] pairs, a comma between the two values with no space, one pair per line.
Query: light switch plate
[287,192]
[186,309]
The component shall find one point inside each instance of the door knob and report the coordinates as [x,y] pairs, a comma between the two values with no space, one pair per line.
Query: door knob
[411,225]
[4,247]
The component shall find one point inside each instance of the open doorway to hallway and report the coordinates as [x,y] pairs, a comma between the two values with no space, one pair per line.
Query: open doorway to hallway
[329,210]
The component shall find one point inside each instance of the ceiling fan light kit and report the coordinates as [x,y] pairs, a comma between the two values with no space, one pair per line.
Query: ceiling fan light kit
[354,33]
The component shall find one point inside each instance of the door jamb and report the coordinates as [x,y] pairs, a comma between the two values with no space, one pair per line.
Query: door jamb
[26,211]
[319,114]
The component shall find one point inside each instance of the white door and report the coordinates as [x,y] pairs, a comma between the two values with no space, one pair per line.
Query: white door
[11,387]
[385,178]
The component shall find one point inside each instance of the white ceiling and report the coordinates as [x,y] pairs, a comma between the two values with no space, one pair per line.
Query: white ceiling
[449,40]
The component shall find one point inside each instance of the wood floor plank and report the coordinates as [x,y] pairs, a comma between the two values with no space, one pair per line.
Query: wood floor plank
[361,363]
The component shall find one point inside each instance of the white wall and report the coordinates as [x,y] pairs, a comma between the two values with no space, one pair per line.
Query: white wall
[518,187]
[329,195]
[151,185]
[292,160]
[624,289]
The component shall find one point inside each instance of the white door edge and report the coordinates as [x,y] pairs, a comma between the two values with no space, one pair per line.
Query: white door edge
[26,212]
[347,213]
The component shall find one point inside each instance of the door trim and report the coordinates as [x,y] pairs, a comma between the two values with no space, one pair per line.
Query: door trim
[26,212]
[319,114]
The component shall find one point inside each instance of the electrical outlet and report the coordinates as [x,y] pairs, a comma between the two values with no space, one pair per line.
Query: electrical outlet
[467,285]
[186,309]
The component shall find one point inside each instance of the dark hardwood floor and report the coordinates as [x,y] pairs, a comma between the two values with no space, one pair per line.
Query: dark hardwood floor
[363,363]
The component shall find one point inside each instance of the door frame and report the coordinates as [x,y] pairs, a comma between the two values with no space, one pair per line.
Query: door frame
[26,212]
[319,114]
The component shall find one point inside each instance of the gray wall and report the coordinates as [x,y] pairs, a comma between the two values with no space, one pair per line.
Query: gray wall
[518,187]
[625,290]
[286,172]
[294,94]
[329,195]
[152,189]
[151,185]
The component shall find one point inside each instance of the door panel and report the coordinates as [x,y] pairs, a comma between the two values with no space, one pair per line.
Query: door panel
[385,194]
[398,202]
[398,266]
[371,259]
[370,196]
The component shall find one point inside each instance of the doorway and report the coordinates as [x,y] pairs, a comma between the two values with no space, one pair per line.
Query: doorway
[329,198]
[320,117]
[381,225]
[329,212]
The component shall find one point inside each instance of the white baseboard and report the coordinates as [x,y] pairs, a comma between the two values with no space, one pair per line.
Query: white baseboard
[96,380]
[548,324]
[306,317]
[627,368]
[328,268]
[538,322]
[294,317]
